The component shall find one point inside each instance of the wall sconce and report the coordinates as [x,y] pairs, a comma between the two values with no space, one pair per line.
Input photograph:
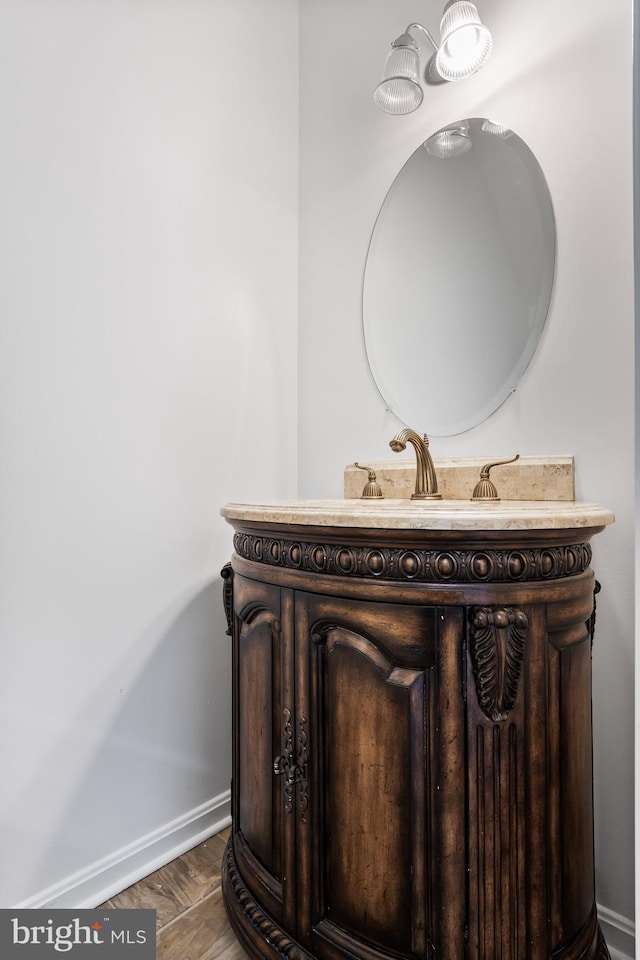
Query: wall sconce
[465,46]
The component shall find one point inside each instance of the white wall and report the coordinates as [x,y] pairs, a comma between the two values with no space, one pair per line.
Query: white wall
[148,218]
[148,336]
[560,76]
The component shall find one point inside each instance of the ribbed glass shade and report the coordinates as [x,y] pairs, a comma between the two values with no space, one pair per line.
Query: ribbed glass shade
[497,129]
[465,43]
[448,143]
[399,90]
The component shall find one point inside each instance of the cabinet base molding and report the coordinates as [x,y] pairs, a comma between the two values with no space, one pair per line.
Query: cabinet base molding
[263,938]
[258,933]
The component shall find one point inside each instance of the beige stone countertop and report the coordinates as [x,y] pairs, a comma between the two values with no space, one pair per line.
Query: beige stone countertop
[425,514]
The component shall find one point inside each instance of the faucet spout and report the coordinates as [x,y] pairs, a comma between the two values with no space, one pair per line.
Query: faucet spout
[426,480]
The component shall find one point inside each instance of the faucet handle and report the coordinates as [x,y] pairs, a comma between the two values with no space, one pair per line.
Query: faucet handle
[485,489]
[372,489]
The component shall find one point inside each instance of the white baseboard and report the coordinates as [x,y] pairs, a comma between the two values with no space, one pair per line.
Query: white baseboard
[103,879]
[619,933]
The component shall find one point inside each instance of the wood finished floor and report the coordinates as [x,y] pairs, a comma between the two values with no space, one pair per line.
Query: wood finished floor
[186,893]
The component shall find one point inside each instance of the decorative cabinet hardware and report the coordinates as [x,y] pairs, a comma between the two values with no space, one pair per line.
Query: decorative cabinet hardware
[227,595]
[303,781]
[284,765]
[293,768]
[592,620]
[412,745]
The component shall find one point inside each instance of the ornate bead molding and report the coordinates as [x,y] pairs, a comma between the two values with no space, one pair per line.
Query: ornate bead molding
[427,566]
[235,889]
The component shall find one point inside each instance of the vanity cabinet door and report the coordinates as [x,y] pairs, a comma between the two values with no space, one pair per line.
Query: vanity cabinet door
[381,802]
[262,724]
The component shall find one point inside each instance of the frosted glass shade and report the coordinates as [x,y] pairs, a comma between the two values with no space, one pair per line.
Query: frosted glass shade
[399,91]
[465,43]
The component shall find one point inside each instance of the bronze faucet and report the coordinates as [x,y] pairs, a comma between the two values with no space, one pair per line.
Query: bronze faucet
[426,480]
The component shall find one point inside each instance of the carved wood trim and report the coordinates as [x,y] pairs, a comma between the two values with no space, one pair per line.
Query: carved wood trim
[227,595]
[592,620]
[271,934]
[497,886]
[427,566]
[497,636]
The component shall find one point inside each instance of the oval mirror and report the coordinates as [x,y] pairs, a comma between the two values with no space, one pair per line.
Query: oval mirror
[458,277]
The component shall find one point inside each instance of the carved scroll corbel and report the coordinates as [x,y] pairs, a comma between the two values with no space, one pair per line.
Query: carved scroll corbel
[591,625]
[497,640]
[227,595]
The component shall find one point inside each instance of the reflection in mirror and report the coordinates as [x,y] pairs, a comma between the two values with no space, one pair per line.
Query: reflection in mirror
[458,277]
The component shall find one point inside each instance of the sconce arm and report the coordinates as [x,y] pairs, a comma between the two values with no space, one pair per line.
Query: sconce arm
[418,26]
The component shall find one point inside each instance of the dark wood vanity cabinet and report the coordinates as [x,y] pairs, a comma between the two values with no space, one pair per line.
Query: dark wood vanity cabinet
[412,745]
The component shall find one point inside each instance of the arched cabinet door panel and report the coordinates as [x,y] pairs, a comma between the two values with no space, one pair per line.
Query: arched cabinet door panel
[371,749]
[368,684]
[260,696]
